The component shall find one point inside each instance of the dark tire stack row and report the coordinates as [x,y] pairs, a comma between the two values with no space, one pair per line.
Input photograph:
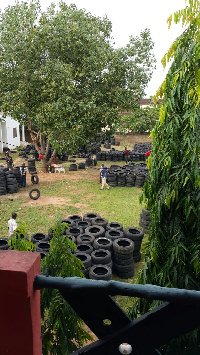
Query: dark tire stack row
[31,166]
[145,220]
[81,166]
[73,167]
[123,262]
[11,182]
[136,235]
[16,171]
[129,175]
[3,190]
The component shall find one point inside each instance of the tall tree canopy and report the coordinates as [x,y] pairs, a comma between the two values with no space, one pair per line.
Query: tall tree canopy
[61,75]
[172,192]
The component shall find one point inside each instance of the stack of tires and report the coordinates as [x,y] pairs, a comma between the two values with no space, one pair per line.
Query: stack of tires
[123,262]
[81,166]
[88,162]
[136,235]
[73,167]
[139,180]
[121,179]
[112,179]
[3,190]
[16,171]
[11,182]
[145,220]
[31,166]
[41,241]
[130,179]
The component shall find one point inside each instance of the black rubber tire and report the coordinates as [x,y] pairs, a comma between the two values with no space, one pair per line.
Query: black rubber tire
[137,258]
[32,196]
[133,233]
[96,231]
[43,245]
[83,224]
[34,179]
[100,272]
[125,275]
[114,225]
[103,243]
[101,256]
[120,261]
[85,258]
[39,237]
[75,218]
[43,253]
[72,238]
[84,248]
[74,230]
[90,216]
[114,234]
[100,222]
[85,238]
[123,246]
[86,272]
[123,268]
[4,244]
[122,256]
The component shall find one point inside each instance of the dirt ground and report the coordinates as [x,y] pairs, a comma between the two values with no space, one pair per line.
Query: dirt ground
[69,176]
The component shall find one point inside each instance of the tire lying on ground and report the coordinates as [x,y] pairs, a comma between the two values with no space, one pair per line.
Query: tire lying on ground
[85,258]
[96,231]
[101,256]
[4,244]
[34,179]
[114,234]
[100,272]
[83,224]
[39,237]
[123,246]
[114,225]
[85,238]
[75,218]
[34,194]
[84,248]
[100,222]
[103,243]
[90,216]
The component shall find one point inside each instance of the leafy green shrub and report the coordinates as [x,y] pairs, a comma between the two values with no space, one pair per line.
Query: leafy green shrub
[62,329]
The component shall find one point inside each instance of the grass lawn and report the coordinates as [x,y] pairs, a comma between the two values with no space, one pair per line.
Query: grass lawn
[76,192]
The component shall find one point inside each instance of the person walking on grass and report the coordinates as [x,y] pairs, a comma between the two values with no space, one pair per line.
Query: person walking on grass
[126,153]
[104,175]
[12,224]
[23,171]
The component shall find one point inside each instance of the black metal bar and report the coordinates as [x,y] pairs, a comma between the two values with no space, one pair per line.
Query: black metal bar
[114,288]
[92,301]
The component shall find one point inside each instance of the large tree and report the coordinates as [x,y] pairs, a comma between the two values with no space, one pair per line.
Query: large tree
[172,192]
[61,75]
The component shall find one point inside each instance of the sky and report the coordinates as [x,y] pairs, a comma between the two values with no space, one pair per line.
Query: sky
[129,18]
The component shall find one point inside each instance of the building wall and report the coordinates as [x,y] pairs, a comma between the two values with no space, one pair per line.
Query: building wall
[10,134]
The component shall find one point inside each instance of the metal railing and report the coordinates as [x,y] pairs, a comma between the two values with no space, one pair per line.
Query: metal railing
[92,301]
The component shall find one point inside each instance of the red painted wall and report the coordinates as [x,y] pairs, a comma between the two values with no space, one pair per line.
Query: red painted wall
[20,325]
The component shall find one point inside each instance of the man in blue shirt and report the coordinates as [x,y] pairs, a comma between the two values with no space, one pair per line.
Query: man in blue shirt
[104,175]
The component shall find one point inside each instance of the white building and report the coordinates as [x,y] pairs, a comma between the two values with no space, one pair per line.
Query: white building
[10,133]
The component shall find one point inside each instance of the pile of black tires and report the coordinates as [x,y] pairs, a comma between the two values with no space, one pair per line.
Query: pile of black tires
[8,181]
[118,155]
[145,220]
[129,175]
[102,247]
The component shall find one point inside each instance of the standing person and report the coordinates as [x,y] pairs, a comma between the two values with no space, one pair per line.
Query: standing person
[126,152]
[12,224]
[23,171]
[104,175]
[9,159]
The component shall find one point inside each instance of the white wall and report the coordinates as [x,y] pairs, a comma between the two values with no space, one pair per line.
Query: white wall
[8,128]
